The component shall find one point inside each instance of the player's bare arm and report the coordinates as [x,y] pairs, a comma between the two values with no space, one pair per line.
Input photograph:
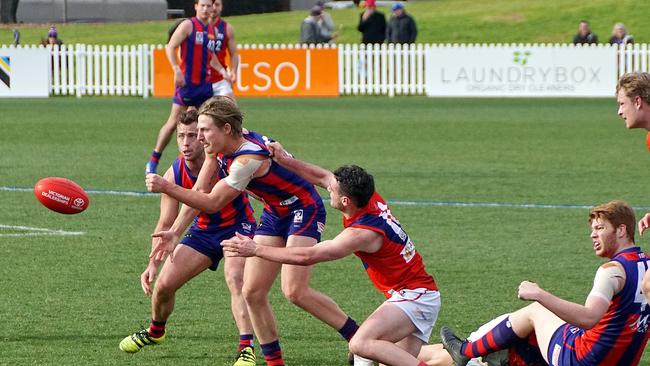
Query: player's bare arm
[347,242]
[169,238]
[168,213]
[171,50]
[609,280]
[310,172]
[644,223]
[215,64]
[222,193]
[234,53]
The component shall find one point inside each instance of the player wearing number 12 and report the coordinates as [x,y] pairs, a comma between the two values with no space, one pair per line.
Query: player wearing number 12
[611,328]
[396,330]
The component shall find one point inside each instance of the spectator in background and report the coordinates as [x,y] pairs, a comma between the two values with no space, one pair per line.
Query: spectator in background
[620,36]
[584,35]
[325,22]
[401,26]
[52,38]
[372,24]
[310,31]
[16,37]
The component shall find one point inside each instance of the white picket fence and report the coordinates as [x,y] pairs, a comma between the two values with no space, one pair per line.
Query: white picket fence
[363,70]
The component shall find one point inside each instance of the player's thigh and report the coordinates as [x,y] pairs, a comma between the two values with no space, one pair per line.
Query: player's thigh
[187,264]
[545,324]
[435,355]
[411,344]
[259,273]
[297,276]
[388,323]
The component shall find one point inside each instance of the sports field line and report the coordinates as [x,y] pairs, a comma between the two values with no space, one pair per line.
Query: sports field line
[392,202]
[35,231]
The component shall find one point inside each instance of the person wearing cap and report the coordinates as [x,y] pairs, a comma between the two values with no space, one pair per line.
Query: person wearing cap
[401,26]
[325,22]
[52,38]
[372,24]
[310,31]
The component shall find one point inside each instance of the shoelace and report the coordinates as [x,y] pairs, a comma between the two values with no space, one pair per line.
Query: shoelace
[246,355]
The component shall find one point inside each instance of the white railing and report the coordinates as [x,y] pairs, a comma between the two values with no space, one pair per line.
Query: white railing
[363,70]
[381,69]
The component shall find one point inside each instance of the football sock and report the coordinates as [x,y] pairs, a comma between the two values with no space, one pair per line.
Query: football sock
[499,337]
[349,329]
[245,340]
[156,329]
[272,353]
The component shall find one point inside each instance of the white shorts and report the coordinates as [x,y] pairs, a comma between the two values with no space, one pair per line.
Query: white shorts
[222,87]
[421,306]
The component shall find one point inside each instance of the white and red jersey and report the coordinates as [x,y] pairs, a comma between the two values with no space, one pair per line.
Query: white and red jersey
[396,265]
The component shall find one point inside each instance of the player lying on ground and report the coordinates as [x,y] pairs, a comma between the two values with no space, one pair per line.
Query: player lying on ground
[394,333]
[199,249]
[610,329]
[294,216]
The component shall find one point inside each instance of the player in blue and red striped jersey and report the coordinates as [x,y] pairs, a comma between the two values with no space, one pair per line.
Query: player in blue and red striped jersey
[222,82]
[396,330]
[294,216]
[610,329]
[200,249]
[196,39]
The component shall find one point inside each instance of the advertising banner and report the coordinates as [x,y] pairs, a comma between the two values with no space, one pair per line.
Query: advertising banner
[24,72]
[521,71]
[269,72]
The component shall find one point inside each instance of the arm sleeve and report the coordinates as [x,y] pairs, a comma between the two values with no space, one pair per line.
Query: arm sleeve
[607,281]
[241,173]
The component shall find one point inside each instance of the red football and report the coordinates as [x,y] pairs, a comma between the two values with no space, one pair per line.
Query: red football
[61,195]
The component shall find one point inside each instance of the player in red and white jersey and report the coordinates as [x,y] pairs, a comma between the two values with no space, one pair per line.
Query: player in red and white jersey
[633,97]
[397,329]
[222,82]
[611,328]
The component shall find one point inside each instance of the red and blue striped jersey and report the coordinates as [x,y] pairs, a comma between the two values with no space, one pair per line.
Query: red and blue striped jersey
[196,51]
[220,49]
[621,335]
[236,211]
[281,190]
[396,265]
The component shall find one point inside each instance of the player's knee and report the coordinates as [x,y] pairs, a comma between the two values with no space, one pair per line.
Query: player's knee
[254,297]
[164,289]
[359,346]
[235,281]
[295,294]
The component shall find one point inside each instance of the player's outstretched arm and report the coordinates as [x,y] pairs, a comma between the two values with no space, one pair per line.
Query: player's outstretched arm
[310,172]
[346,243]
[609,280]
[168,238]
[644,223]
[168,213]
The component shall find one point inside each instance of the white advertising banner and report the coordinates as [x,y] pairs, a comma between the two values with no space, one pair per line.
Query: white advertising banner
[24,72]
[520,71]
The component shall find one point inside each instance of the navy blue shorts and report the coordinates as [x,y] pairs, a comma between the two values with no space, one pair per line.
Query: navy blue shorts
[307,221]
[208,243]
[192,95]
[561,348]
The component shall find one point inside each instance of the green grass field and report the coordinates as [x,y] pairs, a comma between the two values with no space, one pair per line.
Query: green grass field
[439,21]
[69,300]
